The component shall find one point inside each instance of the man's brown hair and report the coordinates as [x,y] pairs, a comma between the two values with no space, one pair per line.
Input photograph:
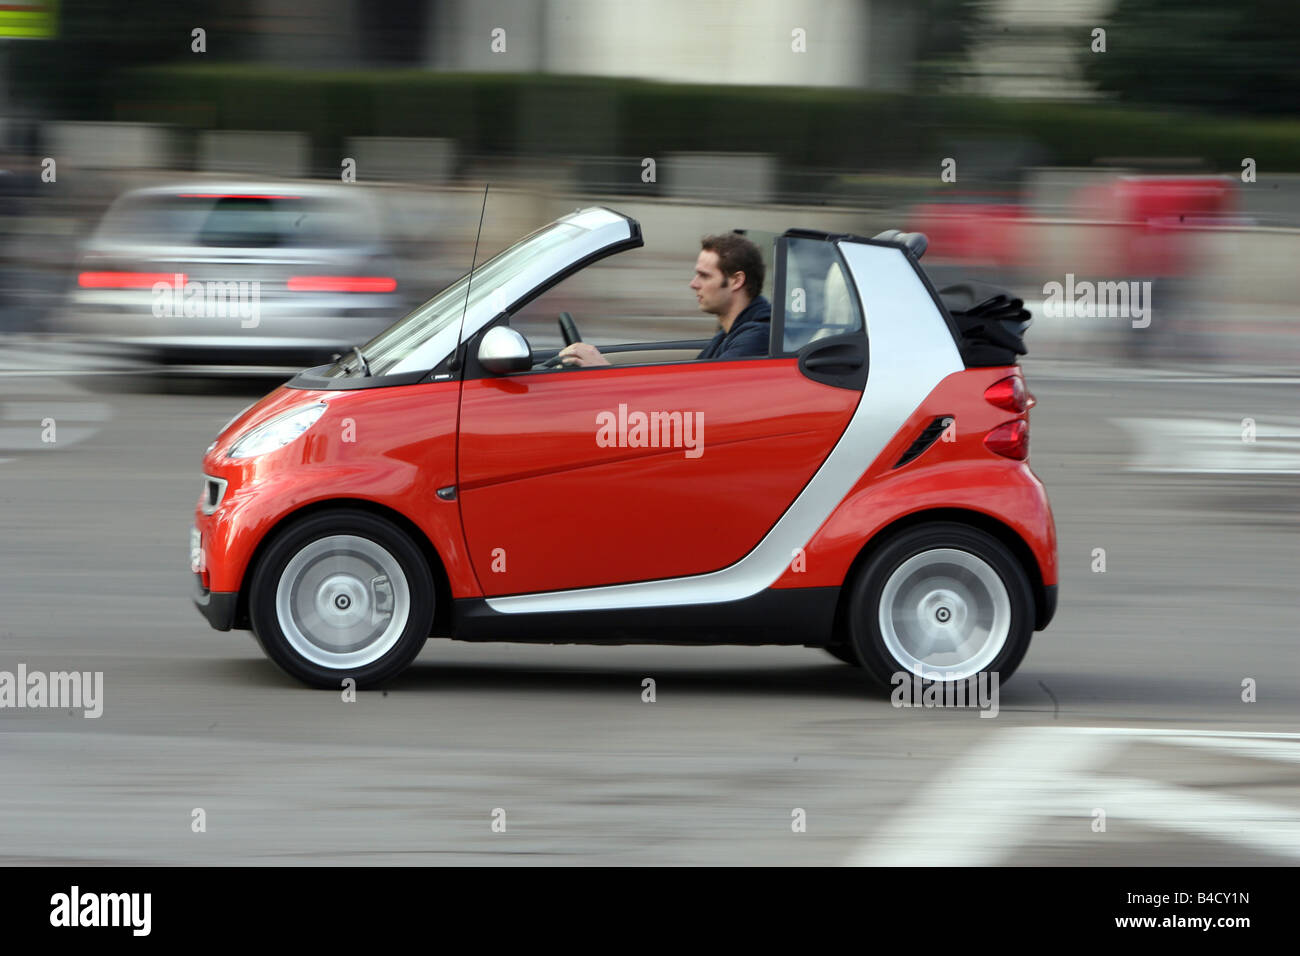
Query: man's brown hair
[737,254]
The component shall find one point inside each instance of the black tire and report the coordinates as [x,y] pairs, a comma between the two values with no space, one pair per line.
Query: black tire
[363,539]
[842,652]
[867,590]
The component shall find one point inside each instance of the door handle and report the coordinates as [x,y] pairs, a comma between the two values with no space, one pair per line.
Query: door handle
[840,362]
[824,361]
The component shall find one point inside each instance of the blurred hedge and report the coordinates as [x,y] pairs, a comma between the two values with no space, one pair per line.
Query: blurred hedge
[564,116]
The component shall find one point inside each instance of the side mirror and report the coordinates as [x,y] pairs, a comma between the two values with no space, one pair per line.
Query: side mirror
[504,350]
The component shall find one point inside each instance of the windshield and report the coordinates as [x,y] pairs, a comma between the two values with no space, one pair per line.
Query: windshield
[441,315]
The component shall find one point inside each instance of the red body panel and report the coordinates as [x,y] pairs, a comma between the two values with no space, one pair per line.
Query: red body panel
[546,507]
[961,473]
[571,513]
[392,446]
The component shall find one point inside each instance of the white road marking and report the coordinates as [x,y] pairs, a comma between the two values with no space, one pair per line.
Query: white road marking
[1047,369]
[974,812]
[1234,380]
[70,423]
[1266,827]
[1161,378]
[1264,749]
[991,801]
[76,411]
[46,359]
[1211,446]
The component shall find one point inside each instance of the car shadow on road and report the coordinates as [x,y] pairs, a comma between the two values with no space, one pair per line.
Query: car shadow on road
[813,680]
[1065,696]
[506,677]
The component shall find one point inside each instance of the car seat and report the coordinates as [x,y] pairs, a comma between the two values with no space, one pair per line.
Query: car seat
[797,333]
[838,317]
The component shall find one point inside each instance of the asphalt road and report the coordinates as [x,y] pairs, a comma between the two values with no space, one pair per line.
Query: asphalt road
[1123,738]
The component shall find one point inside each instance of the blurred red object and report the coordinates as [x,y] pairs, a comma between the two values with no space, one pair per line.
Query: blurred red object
[1151,216]
[971,233]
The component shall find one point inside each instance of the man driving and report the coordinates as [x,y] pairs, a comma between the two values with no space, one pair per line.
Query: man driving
[727,282]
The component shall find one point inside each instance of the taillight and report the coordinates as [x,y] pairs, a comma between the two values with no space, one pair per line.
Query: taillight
[1009,393]
[128,280]
[341,284]
[1010,439]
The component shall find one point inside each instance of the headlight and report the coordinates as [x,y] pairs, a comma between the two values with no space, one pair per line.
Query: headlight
[276,433]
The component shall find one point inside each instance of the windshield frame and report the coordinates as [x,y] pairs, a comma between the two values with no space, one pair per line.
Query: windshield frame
[421,341]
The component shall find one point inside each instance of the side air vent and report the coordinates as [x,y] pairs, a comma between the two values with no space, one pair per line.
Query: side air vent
[214,489]
[925,439]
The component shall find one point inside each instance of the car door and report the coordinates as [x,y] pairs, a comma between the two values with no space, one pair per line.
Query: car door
[578,478]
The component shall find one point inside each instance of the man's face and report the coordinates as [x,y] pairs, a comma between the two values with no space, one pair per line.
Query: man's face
[713,290]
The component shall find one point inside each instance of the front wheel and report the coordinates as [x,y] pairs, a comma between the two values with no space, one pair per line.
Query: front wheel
[942,601]
[342,594]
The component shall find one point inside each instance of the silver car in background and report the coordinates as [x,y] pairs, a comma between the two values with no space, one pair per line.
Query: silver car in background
[234,274]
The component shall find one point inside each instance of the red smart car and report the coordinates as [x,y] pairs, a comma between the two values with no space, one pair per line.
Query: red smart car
[862,488]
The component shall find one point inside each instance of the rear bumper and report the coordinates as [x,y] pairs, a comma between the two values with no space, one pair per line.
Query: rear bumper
[219,607]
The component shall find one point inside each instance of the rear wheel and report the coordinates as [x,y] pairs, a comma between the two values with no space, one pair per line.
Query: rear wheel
[342,594]
[943,601]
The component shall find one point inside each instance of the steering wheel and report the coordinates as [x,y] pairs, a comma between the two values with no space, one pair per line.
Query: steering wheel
[569,329]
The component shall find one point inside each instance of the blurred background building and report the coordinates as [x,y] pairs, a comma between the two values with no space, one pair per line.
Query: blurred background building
[858,43]
[1000,126]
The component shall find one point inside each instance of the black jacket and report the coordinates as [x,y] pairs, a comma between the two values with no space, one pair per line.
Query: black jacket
[749,334]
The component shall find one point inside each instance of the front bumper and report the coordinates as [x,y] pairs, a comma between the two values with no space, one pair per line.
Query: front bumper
[219,607]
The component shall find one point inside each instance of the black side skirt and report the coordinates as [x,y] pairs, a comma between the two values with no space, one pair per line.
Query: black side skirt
[797,616]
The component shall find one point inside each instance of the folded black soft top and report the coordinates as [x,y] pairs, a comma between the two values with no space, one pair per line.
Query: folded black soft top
[992,323]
